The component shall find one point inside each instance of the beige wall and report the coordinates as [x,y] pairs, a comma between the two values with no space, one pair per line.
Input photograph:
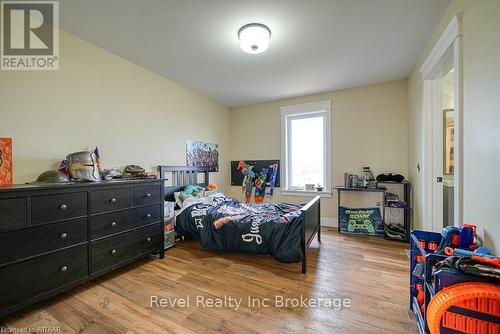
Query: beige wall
[98,98]
[369,128]
[481,61]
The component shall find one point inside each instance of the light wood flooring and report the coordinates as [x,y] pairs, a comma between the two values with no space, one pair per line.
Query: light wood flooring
[371,272]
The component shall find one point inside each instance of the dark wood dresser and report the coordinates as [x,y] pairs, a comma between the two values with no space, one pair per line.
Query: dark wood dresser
[54,237]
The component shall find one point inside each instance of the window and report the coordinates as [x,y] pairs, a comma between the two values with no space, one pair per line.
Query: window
[306,150]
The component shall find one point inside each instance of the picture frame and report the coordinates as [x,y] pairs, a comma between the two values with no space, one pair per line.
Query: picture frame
[448,141]
[201,154]
[310,187]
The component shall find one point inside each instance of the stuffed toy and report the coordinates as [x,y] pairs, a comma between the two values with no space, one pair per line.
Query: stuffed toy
[192,190]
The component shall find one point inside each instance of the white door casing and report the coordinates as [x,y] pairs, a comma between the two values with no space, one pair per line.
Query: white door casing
[446,53]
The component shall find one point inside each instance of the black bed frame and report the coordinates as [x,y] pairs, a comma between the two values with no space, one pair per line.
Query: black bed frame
[177,177]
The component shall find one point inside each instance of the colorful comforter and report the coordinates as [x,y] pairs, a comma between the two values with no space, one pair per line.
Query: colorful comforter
[227,225]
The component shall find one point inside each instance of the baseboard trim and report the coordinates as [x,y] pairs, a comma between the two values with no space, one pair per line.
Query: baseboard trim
[329,222]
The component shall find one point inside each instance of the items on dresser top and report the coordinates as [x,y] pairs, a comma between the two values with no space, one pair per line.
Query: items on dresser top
[84,166]
[52,176]
[56,236]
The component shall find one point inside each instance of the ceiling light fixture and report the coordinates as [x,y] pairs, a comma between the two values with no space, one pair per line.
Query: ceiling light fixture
[254,38]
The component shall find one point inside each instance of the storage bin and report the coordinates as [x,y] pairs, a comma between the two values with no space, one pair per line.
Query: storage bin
[423,244]
[169,239]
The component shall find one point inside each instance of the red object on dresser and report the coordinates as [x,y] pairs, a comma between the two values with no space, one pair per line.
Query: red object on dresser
[5,161]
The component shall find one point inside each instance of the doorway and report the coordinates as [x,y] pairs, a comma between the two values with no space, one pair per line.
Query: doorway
[448,146]
[442,104]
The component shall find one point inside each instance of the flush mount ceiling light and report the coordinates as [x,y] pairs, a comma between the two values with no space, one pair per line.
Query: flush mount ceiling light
[254,38]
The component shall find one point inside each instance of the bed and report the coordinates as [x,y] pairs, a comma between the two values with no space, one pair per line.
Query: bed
[291,241]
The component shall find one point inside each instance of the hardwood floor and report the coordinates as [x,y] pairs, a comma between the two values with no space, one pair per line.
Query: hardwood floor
[372,273]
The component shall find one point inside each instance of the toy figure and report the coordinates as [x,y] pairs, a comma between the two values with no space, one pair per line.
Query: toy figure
[265,178]
[248,179]
[272,179]
[260,185]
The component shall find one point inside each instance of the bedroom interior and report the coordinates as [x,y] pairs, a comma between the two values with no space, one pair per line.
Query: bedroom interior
[249,167]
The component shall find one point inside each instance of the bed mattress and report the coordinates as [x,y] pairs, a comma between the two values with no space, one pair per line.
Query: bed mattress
[225,224]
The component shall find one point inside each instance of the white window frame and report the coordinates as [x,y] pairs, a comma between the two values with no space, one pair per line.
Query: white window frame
[306,110]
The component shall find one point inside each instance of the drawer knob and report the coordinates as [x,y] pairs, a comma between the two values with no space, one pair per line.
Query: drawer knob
[113,224]
[148,195]
[63,235]
[148,215]
[63,268]
[63,207]
[113,252]
[148,239]
[113,200]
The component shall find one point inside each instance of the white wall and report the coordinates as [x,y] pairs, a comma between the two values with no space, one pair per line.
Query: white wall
[482,117]
[481,63]
[369,128]
[97,98]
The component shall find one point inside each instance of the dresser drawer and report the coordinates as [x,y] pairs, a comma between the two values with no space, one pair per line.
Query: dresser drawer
[24,243]
[51,208]
[112,223]
[12,213]
[115,250]
[33,277]
[146,195]
[109,200]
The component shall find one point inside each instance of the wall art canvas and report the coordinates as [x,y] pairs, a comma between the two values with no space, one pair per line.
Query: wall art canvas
[5,161]
[202,154]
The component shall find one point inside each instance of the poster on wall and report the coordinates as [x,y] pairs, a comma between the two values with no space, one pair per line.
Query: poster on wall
[5,161]
[361,221]
[261,175]
[201,154]
[237,176]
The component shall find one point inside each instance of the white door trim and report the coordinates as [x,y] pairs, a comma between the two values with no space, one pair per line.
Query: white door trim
[446,53]
[459,133]
[434,62]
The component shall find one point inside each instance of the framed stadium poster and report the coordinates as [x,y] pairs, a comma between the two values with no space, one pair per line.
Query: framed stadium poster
[202,154]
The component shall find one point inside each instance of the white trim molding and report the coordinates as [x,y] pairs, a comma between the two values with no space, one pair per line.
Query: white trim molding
[306,108]
[306,193]
[436,58]
[329,222]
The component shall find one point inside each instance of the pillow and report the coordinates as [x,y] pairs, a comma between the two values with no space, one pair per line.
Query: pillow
[216,198]
[188,191]
[211,195]
[180,197]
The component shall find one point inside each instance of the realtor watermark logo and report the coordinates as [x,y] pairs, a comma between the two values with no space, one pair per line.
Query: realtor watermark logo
[29,35]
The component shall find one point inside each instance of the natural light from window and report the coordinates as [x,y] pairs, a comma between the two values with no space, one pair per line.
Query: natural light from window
[306,148]
[306,151]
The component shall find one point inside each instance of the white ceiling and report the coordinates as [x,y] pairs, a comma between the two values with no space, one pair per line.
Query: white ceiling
[316,45]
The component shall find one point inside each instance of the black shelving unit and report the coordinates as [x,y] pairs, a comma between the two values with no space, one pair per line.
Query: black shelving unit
[390,215]
[400,216]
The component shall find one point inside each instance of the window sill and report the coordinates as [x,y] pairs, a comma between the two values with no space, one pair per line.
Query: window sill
[306,193]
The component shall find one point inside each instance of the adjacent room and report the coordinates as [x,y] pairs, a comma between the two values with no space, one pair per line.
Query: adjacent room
[267,166]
